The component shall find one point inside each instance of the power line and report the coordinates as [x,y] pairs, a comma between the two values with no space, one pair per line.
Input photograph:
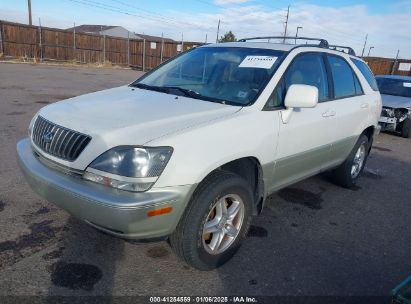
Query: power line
[331,32]
[156,14]
[211,4]
[125,12]
[207,3]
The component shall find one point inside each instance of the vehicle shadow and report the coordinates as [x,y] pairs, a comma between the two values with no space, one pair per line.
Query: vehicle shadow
[315,238]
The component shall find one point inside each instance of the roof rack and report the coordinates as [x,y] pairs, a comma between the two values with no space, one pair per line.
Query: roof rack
[349,49]
[322,42]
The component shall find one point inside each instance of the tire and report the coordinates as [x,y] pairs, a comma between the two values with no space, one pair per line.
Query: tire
[189,240]
[345,175]
[406,128]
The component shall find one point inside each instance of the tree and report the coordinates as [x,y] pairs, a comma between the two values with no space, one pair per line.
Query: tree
[228,37]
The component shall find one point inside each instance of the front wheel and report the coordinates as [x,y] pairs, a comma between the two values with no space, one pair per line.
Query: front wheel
[347,173]
[215,222]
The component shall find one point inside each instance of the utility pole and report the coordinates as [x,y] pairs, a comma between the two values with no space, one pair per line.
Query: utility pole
[74,43]
[365,43]
[128,48]
[296,34]
[40,44]
[162,48]
[144,55]
[206,39]
[395,63]
[218,31]
[286,23]
[29,5]
[369,50]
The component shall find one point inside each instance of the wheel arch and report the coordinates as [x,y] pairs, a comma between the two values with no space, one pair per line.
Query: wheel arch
[369,132]
[250,169]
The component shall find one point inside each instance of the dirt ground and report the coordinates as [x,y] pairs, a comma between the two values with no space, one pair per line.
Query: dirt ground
[313,238]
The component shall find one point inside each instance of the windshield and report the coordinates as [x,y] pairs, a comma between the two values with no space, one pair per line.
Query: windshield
[392,86]
[219,74]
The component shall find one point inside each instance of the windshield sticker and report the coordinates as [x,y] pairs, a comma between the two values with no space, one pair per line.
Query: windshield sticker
[242,94]
[407,84]
[259,62]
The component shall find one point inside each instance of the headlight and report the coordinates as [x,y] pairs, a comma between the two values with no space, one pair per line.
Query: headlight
[129,168]
[31,125]
[387,112]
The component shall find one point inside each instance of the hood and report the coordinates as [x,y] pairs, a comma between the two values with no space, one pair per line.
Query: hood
[395,101]
[126,115]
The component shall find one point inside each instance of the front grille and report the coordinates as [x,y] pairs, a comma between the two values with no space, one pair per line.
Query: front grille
[57,140]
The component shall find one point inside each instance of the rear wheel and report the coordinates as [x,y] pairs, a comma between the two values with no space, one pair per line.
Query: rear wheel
[347,173]
[215,222]
[406,128]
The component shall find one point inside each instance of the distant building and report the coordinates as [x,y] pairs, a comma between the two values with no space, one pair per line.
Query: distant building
[115,31]
[153,38]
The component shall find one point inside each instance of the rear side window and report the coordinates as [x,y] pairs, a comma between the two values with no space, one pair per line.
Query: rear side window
[366,72]
[345,82]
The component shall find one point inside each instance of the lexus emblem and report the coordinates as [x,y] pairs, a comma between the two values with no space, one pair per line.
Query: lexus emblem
[48,137]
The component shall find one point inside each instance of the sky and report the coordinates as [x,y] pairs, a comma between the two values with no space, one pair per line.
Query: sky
[387,23]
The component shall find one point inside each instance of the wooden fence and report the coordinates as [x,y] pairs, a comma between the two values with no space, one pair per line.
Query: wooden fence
[42,43]
[51,44]
[386,66]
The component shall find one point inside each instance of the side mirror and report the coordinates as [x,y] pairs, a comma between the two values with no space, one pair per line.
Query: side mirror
[299,96]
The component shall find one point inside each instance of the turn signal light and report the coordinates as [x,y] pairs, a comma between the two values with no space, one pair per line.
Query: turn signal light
[160,211]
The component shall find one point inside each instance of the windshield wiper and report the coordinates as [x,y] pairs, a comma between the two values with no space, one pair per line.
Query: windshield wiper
[149,87]
[185,92]
[196,95]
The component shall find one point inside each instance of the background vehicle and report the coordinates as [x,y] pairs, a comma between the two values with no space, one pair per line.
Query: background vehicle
[190,150]
[396,99]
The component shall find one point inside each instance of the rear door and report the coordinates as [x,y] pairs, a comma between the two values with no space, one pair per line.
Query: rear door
[304,144]
[351,106]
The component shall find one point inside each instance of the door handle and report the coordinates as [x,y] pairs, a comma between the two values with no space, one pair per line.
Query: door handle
[328,113]
[364,106]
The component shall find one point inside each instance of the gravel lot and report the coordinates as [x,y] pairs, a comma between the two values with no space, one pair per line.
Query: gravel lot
[313,238]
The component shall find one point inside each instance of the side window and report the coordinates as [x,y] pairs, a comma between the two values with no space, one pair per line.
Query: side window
[358,88]
[308,69]
[344,79]
[366,72]
[304,69]
[277,97]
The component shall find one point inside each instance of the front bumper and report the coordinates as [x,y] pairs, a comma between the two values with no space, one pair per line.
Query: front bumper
[387,123]
[114,211]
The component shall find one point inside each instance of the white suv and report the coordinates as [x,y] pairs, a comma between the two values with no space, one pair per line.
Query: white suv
[191,150]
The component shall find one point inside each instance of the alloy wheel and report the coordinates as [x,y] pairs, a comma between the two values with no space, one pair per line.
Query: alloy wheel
[223,224]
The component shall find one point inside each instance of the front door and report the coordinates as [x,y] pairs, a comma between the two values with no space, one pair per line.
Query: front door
[304,146]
